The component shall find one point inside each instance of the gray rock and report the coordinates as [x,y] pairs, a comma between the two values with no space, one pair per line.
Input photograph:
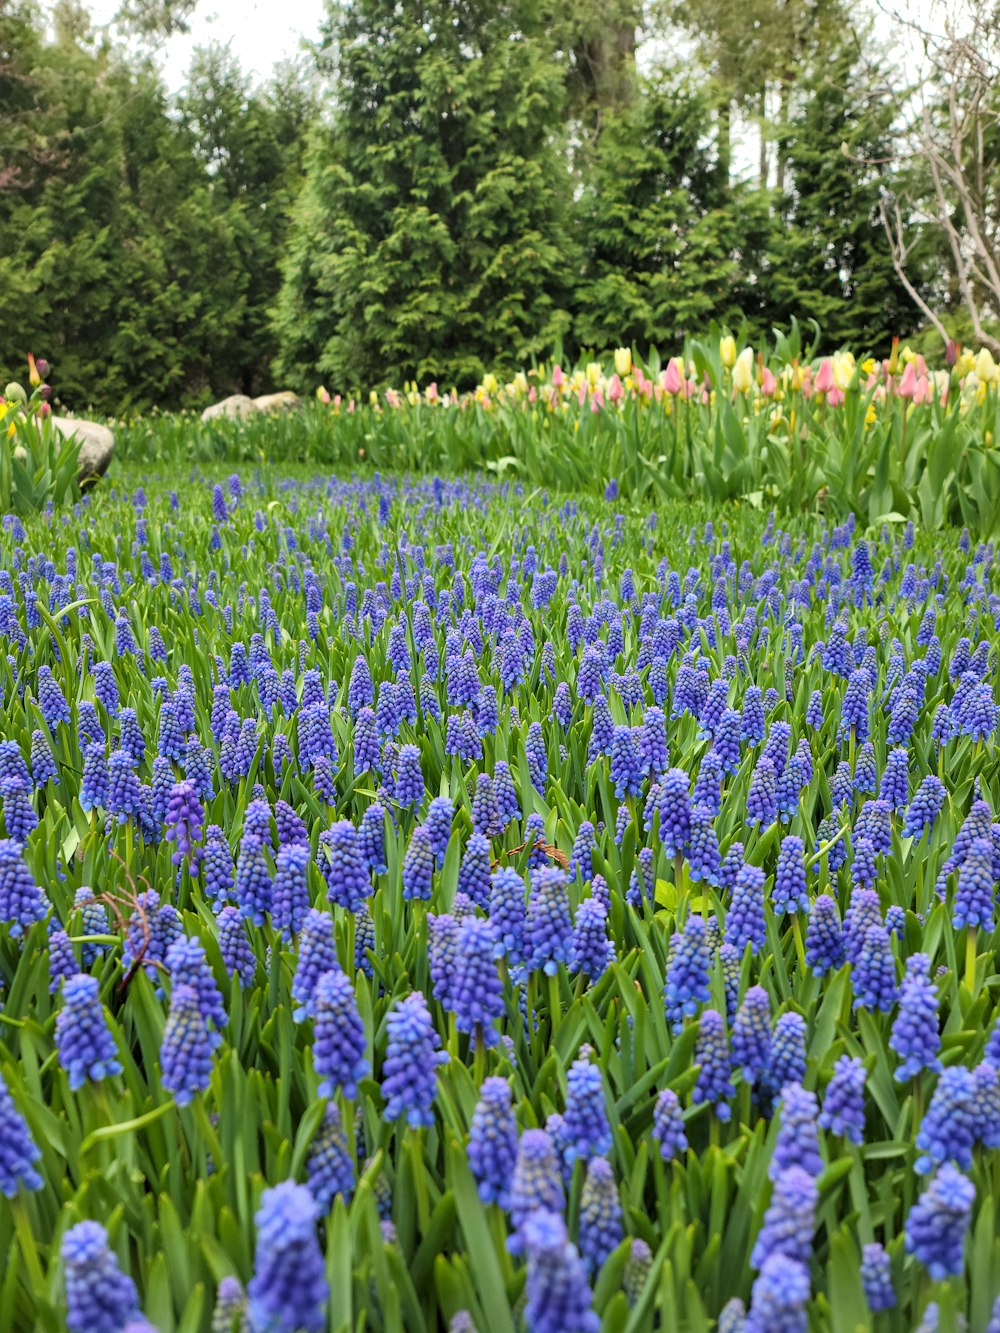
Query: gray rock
[97,444]
[286,401]
[236,405]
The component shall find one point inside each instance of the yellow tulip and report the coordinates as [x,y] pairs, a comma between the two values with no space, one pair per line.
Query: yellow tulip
[490,383]
[727,351]
[986,367]
[843,369]
[623,360]
[743,371]
[593,373]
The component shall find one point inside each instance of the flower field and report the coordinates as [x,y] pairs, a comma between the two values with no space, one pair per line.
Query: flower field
[890,439]
[435,904]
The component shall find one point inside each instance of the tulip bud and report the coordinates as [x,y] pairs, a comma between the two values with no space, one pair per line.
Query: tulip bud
[727,351]
[43,367]
[743,377]
[322,394]
[34,379]
[893,361]
[14,393]
[908,383]
[986,367]
[824,381]
[673,380]
[623,361]
[951,353]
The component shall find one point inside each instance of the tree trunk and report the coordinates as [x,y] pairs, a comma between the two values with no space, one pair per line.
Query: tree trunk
[782,155]
[725,129]
[762,165]
[608,57]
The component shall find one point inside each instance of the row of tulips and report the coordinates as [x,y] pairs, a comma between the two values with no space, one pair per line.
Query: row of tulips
[767,424]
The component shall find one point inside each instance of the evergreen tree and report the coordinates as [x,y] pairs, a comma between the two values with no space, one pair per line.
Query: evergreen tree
[828,254]
[429,238]
[142,266]
[251,143]
[669,245]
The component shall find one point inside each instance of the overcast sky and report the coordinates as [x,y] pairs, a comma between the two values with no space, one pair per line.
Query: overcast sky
[263,32]
[260,32]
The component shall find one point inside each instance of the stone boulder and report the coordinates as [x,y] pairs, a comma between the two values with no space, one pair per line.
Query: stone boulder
[286,401]
[97,445]
[236,405]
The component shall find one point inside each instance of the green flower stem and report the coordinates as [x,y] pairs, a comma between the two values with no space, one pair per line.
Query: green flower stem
[27,1244]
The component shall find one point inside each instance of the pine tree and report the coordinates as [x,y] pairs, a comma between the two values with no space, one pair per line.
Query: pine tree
[669,244]
[828,253]
[429,240]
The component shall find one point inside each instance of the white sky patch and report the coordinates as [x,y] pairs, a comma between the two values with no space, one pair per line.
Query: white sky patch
[261,33]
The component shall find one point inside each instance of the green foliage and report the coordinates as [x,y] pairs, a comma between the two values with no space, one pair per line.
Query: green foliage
[828,254]
[38,467]
[874,455]
[138,251]
[668,244]
[430,238]
[491,182]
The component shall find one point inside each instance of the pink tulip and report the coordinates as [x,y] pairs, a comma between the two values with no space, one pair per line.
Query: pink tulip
[907,386]
[532,394]
[615,391]
[768,384]
[825,382]
[835,396]
[871,381]
[581,396]
[432,392]
[597,400]
[337,400]
[673,381]
[921,365]
[323,394]
[558,378]
[350,406]
[924,392]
